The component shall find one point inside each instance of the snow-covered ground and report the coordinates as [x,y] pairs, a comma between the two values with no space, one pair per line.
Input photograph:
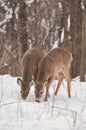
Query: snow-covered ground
[59,113]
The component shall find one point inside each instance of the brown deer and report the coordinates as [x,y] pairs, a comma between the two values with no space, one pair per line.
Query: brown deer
[57,60]
[29,68]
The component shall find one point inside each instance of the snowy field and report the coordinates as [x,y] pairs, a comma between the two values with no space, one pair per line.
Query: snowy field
[59,113]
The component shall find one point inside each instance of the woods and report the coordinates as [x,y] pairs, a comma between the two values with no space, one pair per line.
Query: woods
[45,24]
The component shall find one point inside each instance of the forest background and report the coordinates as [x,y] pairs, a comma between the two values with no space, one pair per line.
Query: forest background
[42,23]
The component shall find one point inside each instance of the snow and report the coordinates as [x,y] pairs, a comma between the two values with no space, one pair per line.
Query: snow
[68,23]
[8,16]
[58,113]
[56,44]
[29,2]
[60,5]
[62,35]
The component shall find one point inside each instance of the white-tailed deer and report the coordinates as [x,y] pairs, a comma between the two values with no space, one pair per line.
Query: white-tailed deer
[57,60]
[29,68]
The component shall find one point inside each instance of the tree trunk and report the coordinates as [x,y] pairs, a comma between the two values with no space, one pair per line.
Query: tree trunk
[76,30]
[72,37]
[23,37]
[83,47]
[36,44]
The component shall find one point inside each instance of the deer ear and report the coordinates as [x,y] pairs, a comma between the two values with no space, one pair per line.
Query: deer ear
[45,83]
[31,83]
[34,80]
[19,82]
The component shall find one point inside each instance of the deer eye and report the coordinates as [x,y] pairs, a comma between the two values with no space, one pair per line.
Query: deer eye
[26,92]
[41,92]
[21,92]
[35,92]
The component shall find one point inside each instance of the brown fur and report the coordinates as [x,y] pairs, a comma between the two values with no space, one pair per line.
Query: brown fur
[29,68]
[57,60]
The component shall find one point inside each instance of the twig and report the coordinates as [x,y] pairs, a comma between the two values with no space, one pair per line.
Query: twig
[11,103]
[75,118]
[68,110]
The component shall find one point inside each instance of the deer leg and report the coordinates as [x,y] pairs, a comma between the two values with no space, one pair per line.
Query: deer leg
[60,79]
[68,82]
[47,89]
[48,94]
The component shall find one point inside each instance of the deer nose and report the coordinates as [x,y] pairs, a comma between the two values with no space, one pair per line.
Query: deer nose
[23,98]
[37,100]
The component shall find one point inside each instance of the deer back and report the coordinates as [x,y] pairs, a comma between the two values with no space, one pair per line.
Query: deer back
[29,63]
[61,56]
[55,60]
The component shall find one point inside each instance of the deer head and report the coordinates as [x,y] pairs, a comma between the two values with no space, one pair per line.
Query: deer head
[24,88]
[39,90]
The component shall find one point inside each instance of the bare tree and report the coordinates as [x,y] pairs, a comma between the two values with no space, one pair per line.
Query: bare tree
[72,36]
[83,45]
[42,23]
[22,28]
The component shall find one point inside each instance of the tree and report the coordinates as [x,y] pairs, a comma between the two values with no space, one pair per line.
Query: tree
[42,23]
[83,45]
[72,37]
[22,28]
[13,35]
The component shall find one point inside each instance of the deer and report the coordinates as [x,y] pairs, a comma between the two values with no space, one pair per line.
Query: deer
[56,61]
[29,67]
